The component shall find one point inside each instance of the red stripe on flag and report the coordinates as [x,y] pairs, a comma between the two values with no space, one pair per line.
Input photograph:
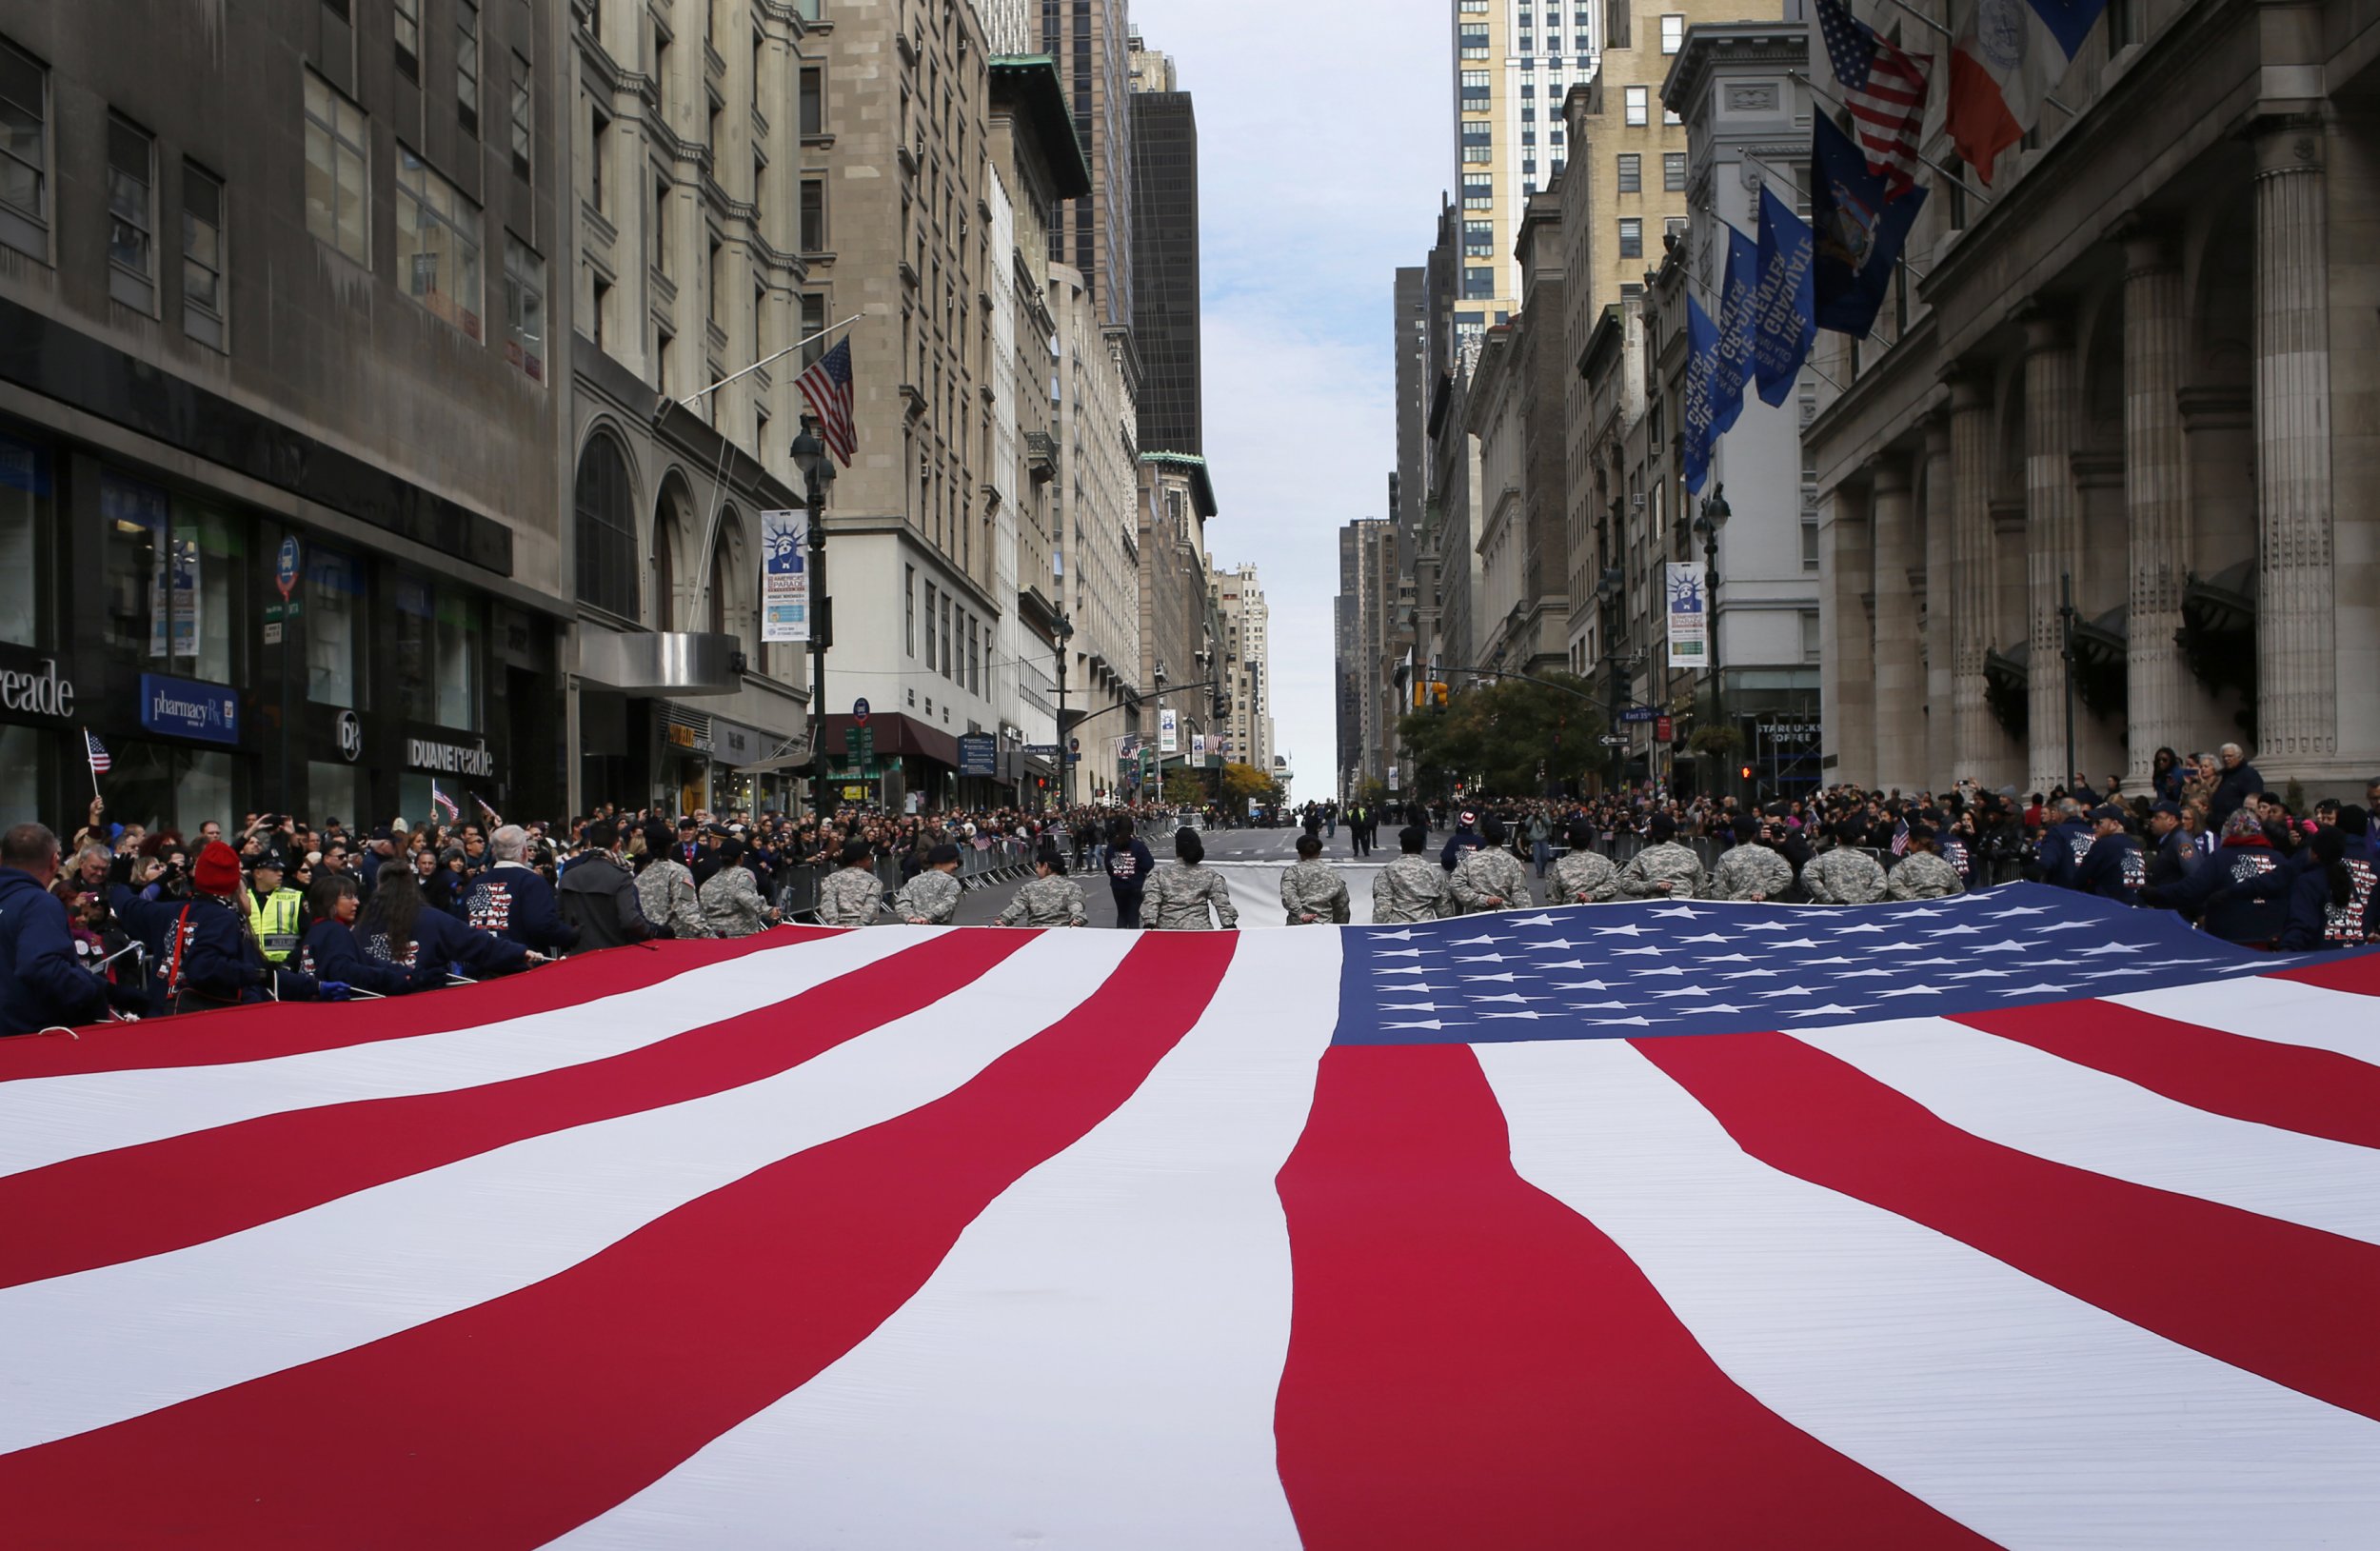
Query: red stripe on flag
[2290,1303]
[1472,1364]
[135,1201]
[266,1031]
[508,1423]
[2360,974]
[2293,1086]
[1979,120]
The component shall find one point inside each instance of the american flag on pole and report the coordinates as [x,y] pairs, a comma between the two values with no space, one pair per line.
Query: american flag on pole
[97,752]
[2016,1219]
[443,803]
[827,386]
[1885,89]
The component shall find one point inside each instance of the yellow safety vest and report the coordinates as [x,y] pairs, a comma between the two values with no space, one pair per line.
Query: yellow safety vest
[275,921]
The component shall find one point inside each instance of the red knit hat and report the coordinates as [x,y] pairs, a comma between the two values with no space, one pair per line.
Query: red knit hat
[218,869]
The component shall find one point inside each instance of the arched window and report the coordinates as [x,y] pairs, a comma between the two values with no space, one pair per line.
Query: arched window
[671,516]
[607,530]
[726,554]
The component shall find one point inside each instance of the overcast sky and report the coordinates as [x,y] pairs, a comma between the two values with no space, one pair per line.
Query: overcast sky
[1323,146]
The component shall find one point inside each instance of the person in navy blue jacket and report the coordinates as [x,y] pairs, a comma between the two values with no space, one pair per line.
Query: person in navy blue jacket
[2221,891]
[398,930]
[1465,838]
[42,984]
[329,950]
[2063,844]
[514,900]
[2114,867]
[1129,865]
[202,950]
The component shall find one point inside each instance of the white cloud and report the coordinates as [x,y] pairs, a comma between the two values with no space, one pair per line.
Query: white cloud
[1324,144]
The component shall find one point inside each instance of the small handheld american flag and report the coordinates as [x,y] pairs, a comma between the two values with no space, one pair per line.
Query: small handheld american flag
[97,752]
[827,386]
[443,803]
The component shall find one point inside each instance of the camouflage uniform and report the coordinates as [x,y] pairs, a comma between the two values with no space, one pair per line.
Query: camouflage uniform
[933,894]
[1668,860]
[1489,873]
[1922,875]
[1178,895]
[1843,876]
[1750,869]
[1314,888]
[1584,878]
[850,897]
[1054,901]
[1410,888]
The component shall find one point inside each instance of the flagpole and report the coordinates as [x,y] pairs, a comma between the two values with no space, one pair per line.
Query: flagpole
[1820,92]
[1903,5]
[94,769]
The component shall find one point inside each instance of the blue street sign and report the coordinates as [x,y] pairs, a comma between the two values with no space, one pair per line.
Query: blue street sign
[285,572]
[859,713]
[978,755]
[1639,713]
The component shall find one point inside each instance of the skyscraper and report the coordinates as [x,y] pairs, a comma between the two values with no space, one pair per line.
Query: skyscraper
[1088,39]
[1166,256]
[1511,74]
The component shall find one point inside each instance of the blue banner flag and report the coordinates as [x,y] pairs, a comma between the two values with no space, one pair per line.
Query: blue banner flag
[1702,353]
[1857,233]
[1736,310]
[1783,308]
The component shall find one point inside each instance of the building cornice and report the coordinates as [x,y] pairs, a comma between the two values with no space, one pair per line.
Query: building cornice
[1753,44]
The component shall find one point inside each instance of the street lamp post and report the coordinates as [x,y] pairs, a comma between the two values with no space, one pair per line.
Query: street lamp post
[1065,764]
[1715,514]
[1608,591]
[817,463]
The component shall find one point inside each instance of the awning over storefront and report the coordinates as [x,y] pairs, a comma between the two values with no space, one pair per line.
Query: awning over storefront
[661,663]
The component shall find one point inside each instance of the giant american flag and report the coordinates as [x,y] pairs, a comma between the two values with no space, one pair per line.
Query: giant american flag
[2015,1220]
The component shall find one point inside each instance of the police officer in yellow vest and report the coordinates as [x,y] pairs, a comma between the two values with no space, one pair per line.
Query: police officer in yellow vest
[277,914]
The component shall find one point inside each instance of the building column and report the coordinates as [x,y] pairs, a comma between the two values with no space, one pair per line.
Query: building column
[2296,632]
[1939,582]
[1846,667]
[2051,550]
[1900,675]
[1980,745]
[2160,691]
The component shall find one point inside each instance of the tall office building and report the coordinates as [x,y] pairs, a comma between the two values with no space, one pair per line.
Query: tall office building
[1515,60]
[1089,40]
[1165,255]
[1247,723]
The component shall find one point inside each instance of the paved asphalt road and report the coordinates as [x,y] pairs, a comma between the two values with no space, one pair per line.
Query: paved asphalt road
[1251,859]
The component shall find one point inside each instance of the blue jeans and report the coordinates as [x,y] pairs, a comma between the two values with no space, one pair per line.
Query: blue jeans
[1543,851]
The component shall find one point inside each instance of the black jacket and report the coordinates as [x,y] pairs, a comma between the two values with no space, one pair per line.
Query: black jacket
[598,898]
[2233,790]
[41,982]
[440,944]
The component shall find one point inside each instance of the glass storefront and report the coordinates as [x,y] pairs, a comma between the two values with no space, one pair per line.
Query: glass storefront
[332,623]
[333,791]
[25,527]
[167,787]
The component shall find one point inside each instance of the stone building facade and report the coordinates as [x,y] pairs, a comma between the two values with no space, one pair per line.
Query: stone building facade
[2146,372]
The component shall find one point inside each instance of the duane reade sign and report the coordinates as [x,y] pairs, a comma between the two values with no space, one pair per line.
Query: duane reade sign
[41,691]
[451,759]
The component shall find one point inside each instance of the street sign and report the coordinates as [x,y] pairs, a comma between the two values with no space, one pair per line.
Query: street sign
[1042,751]
[860,744]
[1074,745]
[978,754]
[1662,728]
[1612,740]
[859,713]
[1638,713]
[285,571]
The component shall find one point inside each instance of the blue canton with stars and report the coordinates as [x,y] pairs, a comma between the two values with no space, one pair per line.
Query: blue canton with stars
[1622,971]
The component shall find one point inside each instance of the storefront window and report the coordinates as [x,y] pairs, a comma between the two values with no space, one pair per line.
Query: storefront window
[176,579]
[24,506]
[334,634]
[330,793]
[437,644]
[165,786]
[20,772]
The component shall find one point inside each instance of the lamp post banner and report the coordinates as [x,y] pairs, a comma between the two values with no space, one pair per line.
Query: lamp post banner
[784,575]
[1168,729]
[1689,617]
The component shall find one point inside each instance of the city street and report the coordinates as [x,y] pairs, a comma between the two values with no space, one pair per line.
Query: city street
[1251,859]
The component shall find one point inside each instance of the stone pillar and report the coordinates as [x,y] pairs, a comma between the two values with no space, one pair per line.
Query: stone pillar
[1898,674]
[2052,550]
[2296,632]
[1939,587]
[1847,662]
[2160,693]
[1980,745]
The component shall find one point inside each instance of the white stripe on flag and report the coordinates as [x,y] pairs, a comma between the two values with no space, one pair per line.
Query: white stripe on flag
[2007,1093]
[95,1348]
[1096,1364]
[45,1120]
[2023,1413]
[2284,1011]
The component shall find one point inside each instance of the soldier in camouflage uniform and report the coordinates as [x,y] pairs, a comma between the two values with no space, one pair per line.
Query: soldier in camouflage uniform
[1049,898]
[1663,870]
[1753,869]
[931,897]
[1182,891]
[1582,875]
[1411,889]
[1922,874]
[1841,875]
[851,896]
[1490,878]
[1312,892]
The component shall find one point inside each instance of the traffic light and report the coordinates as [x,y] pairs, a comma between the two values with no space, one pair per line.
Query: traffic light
[1437,692]
[1744,770]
